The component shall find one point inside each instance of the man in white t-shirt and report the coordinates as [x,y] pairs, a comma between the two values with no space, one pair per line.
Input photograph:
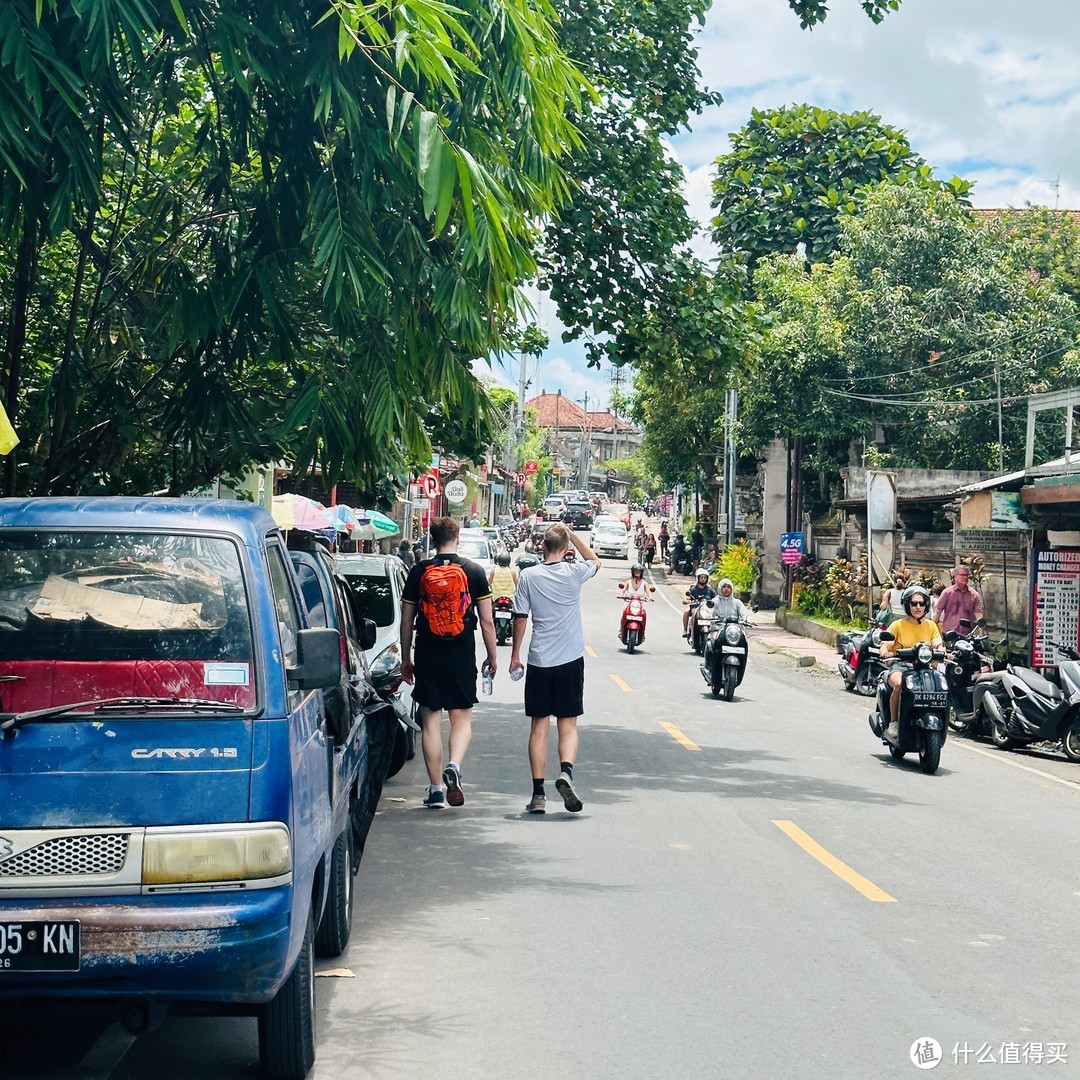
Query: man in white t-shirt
[550,593]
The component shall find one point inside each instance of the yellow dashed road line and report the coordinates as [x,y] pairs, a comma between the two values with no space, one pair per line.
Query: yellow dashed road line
[678,736]
[831,862]
[621,685]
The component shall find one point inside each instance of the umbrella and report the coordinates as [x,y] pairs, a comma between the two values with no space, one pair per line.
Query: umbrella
[379,524]
[299,512]
[344,519]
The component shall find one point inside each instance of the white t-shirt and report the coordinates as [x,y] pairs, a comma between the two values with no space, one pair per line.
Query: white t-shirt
[549,593]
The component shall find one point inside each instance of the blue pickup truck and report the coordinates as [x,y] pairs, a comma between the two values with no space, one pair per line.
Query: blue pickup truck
[175,808]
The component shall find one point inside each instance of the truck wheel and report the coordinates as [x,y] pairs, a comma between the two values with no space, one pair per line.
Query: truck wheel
[287,1021]
[336,926]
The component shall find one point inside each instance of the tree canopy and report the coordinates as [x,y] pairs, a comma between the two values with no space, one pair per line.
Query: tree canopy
[920,324]
[793,171]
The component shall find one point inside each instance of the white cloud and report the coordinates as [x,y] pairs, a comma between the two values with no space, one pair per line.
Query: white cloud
[986,89]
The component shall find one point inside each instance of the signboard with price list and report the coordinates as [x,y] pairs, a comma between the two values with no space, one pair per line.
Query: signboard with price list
[1055,603]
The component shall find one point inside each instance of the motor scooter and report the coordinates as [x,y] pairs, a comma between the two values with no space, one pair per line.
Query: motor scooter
[861,665]
[632,625]
[724,663]
[970,657]
[502,609]
[924,706]
[702,613]
[1020,706]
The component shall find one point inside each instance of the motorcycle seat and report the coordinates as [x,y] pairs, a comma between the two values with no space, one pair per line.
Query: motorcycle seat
[1034,681]
[987,676]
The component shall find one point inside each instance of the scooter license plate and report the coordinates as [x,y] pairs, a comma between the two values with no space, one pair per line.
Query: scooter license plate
[39,946]
[502,615]
[733,649]
[938,699]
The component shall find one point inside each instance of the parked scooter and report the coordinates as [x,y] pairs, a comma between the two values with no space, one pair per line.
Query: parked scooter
[924,706]
[632,626]
[970,658]
[861,665]
[1021,707]
[503,611]
[724,663]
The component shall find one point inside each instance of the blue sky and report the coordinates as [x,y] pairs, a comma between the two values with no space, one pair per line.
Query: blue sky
[986,89]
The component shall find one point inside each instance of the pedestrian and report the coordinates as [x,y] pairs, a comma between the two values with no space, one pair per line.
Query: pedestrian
[550,594]
[958,601]
[405,553]
[665,539]
[445,596]
[650,550]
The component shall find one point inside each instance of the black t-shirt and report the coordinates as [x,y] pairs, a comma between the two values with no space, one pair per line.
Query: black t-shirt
[478,590]
[701,592]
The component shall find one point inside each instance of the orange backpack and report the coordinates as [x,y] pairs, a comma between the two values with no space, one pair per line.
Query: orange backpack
[445,599]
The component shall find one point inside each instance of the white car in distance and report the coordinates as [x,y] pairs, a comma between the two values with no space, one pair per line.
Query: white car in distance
[609,537]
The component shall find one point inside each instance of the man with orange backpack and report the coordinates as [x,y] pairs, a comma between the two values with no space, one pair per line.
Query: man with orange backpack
[445,596]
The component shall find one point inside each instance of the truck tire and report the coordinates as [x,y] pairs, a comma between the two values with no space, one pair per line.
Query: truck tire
[335,928]
[287,1021]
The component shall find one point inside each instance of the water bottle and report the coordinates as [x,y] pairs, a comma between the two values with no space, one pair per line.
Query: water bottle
[487,683]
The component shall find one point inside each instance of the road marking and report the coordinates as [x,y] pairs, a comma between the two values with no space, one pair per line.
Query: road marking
[678,736]
[831,862]
[662,592]
[621,685]
[591,651]
[997,755]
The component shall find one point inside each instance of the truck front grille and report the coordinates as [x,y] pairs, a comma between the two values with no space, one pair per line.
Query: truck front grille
[99,853]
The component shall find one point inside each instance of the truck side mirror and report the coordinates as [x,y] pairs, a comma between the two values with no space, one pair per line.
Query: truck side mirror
[318,659]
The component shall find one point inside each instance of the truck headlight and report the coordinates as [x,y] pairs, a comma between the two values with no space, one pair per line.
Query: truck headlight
[190,854]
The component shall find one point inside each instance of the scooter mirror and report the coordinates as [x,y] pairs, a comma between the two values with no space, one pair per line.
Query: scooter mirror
[887,635]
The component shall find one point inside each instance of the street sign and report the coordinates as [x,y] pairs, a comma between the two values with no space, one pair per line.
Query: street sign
[429,485]
[791,547]
[456,491]
[532,467]
[519,479]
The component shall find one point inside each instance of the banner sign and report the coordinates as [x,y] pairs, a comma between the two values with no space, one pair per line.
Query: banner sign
[791,547]
[1055,603]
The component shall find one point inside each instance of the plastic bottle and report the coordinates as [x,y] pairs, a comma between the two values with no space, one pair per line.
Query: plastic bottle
[487,683]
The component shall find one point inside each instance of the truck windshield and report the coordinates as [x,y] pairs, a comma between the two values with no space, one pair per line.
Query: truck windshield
[106,614]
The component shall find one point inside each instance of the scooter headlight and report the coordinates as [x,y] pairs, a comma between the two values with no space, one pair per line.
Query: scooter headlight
[925,654]
[732,634]
[635,607]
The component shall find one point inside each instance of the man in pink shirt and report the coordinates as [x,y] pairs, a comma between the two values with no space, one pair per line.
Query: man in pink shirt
[958,601]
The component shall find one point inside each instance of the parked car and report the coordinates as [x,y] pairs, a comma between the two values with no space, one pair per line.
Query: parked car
[375,583]
[177,814]
[610,537]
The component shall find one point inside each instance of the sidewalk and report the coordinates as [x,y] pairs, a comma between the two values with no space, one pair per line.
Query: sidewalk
[766,633]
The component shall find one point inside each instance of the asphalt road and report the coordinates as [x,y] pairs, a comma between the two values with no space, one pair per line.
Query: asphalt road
[753,889]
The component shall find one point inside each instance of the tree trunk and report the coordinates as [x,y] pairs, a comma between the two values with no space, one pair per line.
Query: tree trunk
[15,345]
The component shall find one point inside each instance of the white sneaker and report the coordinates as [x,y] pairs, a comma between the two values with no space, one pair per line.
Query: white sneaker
[892,732]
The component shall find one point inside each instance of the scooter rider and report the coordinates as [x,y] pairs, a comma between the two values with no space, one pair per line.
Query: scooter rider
[728,604]
[908,632]
[636,587]
[504,579]
[700,590]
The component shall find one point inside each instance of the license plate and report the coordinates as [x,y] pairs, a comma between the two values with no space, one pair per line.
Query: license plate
[502,614]
[937,700]
[39,946]
[733,649]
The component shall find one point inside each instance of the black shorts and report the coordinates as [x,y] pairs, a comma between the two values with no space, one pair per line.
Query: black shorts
[445,676]
[555,691]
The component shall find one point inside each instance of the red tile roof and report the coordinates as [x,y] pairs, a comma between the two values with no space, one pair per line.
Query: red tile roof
[608,421]
[556,411]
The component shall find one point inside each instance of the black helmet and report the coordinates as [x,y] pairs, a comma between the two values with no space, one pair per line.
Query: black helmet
[637,568]
[527,558]
[913,591]
[503,558]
